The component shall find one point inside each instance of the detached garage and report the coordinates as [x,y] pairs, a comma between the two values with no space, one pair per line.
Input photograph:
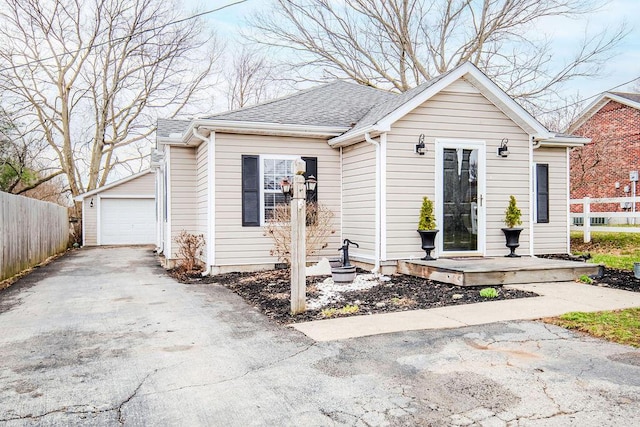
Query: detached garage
[121,213]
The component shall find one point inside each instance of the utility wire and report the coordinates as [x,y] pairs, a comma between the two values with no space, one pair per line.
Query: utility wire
[129,36]
[591,97]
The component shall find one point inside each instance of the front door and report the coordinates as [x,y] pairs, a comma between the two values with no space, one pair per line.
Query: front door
[460,193]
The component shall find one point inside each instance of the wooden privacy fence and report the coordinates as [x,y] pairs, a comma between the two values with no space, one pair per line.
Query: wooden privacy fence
[597,221]
[30,232]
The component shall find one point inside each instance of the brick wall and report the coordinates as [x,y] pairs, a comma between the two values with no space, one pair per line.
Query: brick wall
[613,152]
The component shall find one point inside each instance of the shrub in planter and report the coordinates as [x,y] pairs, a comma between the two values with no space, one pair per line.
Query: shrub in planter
[427,228]
[512,233]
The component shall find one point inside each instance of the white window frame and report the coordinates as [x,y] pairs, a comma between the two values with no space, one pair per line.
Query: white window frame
[262,190]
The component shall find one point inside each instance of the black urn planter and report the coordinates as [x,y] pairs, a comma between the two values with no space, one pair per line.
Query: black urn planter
[513,240]
[428,243]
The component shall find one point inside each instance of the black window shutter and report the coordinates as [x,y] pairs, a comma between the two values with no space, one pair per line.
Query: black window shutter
[542,192]
[312,169]
[250,191]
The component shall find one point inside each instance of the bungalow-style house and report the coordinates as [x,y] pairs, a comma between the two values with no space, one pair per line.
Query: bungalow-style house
[602,168]
[218,176]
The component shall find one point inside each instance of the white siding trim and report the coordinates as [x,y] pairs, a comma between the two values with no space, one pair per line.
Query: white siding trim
[211,189]
[127,196]
[167,244]
[481,146]
[84,205]
[533,201]
[98,220]
[383,197]
[341,195]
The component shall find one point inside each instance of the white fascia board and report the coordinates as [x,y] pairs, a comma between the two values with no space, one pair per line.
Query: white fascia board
[253,128]
[561,141]
[597,104]
[83,196]
[357,136]
[478,77]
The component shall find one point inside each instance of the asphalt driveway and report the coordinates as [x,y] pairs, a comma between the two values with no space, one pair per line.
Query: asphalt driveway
[103,337]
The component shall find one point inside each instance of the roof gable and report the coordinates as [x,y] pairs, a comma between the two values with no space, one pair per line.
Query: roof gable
[83,196]
[381,118]
[629,99]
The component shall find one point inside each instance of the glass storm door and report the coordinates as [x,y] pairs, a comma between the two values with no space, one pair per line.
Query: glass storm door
[461,192]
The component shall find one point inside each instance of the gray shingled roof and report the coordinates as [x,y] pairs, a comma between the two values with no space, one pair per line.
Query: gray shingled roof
[380,111]
[337,104]
[635,97]
[167,127]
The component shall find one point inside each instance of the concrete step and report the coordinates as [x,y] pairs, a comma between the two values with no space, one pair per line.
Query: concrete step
[497,271]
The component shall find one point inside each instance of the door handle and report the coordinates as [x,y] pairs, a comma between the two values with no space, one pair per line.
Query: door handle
[480,199]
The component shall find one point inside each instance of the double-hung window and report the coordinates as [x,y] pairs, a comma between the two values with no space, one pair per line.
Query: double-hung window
[273,170]
[261,191]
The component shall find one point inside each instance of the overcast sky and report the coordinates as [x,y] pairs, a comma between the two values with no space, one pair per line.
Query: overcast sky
[565,33]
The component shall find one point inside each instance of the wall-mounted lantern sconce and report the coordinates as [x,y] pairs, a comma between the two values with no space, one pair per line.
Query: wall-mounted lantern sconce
[91,203]
[421,148]
[503,150]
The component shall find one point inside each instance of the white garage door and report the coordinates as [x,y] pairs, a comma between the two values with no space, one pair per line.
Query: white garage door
[127,221]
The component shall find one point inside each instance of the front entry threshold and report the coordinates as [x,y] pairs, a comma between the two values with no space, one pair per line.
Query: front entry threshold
[479,271]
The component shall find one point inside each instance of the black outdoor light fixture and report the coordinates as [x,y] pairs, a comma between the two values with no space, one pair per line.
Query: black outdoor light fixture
[285,185]
[503,150]
[310,184]
[421,148]
[91,204]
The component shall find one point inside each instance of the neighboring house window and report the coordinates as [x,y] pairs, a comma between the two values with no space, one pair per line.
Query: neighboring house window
[261,192]
[542,193]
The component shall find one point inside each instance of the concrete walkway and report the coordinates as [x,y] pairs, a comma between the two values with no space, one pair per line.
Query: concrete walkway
[555,299]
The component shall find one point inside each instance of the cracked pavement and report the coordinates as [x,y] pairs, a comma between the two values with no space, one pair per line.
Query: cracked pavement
[102,337]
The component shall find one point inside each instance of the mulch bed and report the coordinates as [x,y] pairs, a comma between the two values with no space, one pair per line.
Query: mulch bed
[611,277]
[269,291]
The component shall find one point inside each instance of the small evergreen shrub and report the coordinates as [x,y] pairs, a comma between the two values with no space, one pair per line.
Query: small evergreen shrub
[512,214]
[427,218]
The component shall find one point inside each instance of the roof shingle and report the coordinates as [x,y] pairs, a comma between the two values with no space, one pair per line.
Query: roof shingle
[337,104]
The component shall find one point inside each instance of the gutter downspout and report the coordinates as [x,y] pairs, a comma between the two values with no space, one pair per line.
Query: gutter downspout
[210,196]
[367,138]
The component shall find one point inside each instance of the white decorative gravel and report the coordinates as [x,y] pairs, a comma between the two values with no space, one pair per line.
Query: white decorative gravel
[332,292]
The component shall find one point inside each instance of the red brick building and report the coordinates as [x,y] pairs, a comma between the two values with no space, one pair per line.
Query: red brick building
[601,168]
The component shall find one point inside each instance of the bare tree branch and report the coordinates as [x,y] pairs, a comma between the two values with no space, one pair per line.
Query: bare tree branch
[94,75]
[398,44]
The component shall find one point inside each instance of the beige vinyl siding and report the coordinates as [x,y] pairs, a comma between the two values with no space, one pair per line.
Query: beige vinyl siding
[144,185]
[551,238]
[238,245]
[359,197]
[89,221]
[459,112]
[183,194]
[201,193]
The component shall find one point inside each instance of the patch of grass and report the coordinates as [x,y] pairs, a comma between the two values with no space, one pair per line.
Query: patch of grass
[615,250]
[621,326]
[489,293]
[347,309]
[586,279]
